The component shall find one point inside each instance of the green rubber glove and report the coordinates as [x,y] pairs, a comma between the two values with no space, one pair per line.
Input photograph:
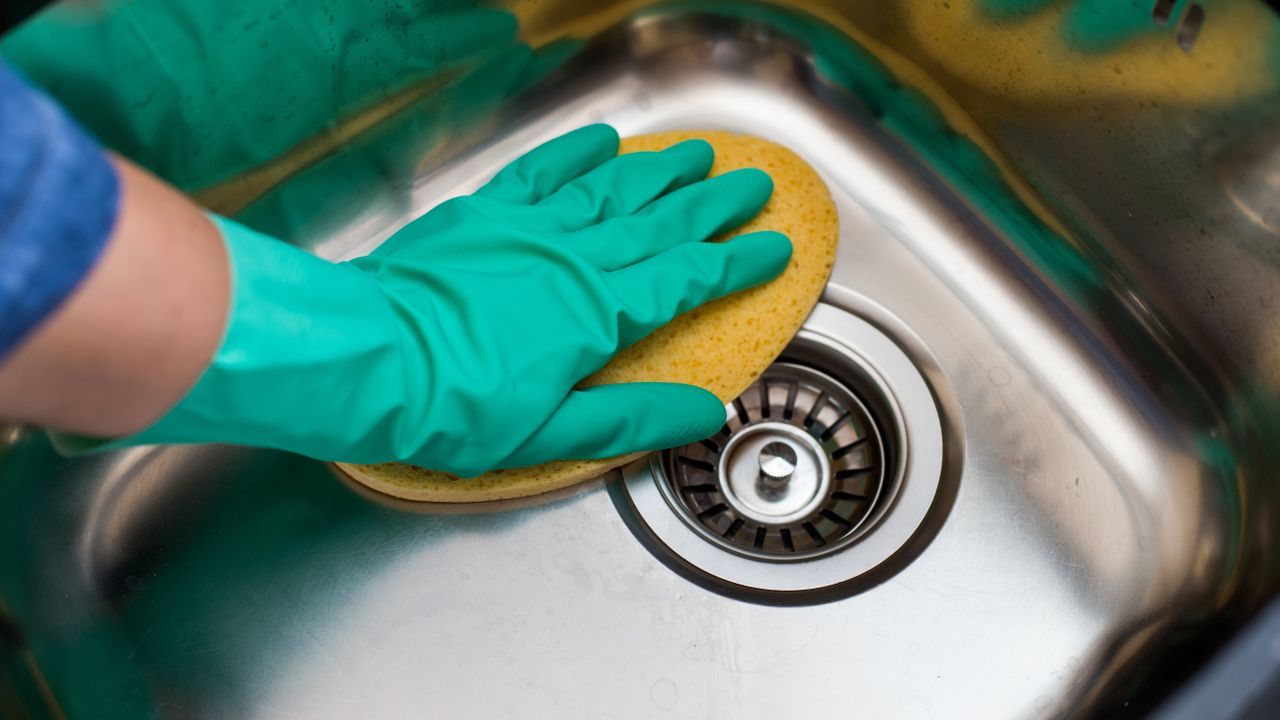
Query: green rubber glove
[457,344]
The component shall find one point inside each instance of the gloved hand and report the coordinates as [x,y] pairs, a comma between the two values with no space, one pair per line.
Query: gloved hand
[457,344]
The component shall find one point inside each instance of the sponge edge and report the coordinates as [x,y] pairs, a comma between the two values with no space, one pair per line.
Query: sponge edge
[723,346]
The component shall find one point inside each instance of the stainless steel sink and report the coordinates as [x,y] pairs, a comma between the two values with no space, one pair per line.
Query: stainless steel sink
[1070,236]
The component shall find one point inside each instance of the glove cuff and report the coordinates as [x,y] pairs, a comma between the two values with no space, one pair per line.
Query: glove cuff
[295,321]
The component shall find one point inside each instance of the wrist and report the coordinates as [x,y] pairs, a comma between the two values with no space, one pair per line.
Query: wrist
[282,374]
[139,329]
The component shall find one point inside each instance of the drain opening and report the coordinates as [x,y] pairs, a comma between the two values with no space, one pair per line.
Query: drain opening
[806,493]
[795,473]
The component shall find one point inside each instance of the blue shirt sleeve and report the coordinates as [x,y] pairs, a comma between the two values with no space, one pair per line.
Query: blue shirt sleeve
[58,202]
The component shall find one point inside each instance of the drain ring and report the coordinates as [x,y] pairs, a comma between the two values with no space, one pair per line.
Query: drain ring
[899,406]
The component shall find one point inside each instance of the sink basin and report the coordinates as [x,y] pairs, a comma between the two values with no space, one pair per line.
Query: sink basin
[1077,262]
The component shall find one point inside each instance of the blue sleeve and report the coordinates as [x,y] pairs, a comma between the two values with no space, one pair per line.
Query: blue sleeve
[58,201]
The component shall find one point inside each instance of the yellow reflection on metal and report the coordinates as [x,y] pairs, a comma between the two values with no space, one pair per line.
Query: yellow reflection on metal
[1042,58]
[974,63]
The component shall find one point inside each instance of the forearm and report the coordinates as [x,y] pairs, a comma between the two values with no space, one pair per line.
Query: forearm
[139,329]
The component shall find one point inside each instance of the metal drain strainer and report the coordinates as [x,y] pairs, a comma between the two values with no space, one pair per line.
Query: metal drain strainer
[792,475]
[821,481]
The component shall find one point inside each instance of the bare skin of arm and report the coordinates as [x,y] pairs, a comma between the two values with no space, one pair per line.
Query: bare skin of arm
[140,329]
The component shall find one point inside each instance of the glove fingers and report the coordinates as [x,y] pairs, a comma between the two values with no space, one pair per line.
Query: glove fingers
[691,214]
[624,185]
[544,169]
[611,420]
[656,290]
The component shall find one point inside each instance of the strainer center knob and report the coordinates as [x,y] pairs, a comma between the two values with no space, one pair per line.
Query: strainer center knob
[774,473]
[777,464]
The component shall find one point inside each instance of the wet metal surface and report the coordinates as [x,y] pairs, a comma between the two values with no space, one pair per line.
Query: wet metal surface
[1112,501]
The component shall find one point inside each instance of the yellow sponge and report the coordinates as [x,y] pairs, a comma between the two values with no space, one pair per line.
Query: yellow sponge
[723,346]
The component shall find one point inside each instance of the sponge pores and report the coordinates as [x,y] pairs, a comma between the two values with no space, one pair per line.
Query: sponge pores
[723,346]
